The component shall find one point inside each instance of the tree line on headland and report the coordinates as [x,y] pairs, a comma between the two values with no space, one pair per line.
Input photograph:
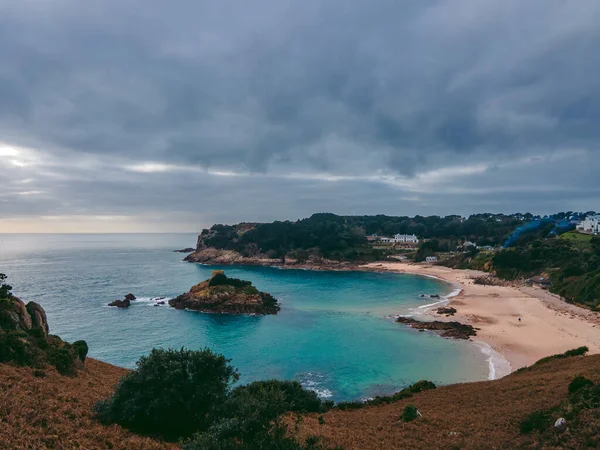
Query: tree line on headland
[523,245]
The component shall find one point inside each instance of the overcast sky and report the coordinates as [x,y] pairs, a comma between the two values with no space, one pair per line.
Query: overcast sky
[137,115]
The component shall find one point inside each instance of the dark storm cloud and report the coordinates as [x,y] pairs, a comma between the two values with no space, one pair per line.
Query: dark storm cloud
[403,91]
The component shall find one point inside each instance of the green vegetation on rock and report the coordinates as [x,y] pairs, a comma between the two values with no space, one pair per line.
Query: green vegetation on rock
[221,294]
[24,338]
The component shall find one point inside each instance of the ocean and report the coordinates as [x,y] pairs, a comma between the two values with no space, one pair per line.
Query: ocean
[334,333]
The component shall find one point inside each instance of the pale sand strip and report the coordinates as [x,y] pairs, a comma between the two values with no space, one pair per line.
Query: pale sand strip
[548,324]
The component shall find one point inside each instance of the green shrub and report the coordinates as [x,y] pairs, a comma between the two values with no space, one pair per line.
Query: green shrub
[347,406]
[408,392]
[536,421]
[250,417]
[81,349]
[220,279]
[410,413]
[420,386]
[171,393]
[15,347]
[580,351]
[63,359]
[579,383]
[586,397]
[290,396]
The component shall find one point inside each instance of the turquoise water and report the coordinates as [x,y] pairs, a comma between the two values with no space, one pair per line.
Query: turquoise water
[332,334]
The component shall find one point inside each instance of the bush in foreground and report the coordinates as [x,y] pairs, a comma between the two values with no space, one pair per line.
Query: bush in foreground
[171,393]
[81,349]
[250,418]
[410,413]
[579,383]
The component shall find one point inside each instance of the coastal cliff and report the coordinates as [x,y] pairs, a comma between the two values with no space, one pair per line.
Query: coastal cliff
[25,338]
[221,294]
[211,255]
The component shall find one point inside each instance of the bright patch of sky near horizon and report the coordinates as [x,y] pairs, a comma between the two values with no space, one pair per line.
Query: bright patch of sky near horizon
[124,117]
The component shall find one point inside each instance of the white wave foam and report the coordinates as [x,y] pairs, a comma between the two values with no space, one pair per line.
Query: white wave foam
[429,305]
[312,381]
[321,393]
[444,300]
[498,365]
[151,301]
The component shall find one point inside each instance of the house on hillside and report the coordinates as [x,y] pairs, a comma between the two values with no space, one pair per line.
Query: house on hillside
[591,225]
[397,239]
[431,259]
[405,238]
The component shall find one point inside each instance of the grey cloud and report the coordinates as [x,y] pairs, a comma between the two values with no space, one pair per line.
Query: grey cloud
[277,88]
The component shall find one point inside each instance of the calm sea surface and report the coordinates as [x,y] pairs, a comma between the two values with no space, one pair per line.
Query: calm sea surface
[332,333]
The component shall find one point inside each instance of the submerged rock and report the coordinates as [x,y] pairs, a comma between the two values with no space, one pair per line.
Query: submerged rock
[454,330]
[220,294]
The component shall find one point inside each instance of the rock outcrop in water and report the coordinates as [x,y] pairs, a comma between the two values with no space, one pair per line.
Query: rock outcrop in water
[125,303]
[453,330]
[221,294]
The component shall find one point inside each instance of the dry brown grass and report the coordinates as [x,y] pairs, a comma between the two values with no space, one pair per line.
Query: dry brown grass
[483,415]
[56,411]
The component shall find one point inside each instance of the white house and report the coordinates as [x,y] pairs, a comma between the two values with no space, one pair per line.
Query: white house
[406,238]
[431,259]
[591,224]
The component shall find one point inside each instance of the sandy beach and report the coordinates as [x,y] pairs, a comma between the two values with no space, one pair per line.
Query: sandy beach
[548,324]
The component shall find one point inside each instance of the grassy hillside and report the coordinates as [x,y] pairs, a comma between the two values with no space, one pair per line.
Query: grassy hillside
[55,411]
[471,415]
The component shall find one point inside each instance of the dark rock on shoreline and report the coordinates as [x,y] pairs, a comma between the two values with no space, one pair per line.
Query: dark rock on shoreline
[454,330]
[446,310]
[185,250]
[220,294]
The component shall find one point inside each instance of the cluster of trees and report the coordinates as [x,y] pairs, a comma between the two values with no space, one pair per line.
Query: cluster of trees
[572,265]
[345,237]
[187,396]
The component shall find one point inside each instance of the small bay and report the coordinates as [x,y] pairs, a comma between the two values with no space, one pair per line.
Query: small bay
[333,333]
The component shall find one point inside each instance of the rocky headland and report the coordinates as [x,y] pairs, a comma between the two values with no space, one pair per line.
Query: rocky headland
[221,294]
[25,338]
[214,256]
